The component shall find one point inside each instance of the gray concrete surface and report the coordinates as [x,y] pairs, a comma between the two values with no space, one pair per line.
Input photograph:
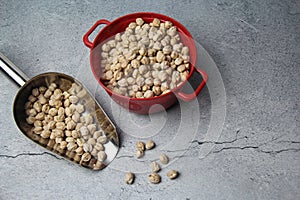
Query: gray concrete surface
[255,154]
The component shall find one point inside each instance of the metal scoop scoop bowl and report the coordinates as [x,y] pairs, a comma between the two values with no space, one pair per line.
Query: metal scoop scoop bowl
[88,157]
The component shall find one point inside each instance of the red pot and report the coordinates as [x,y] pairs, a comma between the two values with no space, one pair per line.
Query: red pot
[142,105]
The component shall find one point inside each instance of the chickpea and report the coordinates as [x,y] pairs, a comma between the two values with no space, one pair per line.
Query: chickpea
[45,134]
[142,51]
[71,146]
[45,108]
[28,105]
[139,21]
[79,150]
[60,125]
[143,69]
[181,68]
[87,147]
[145,60]
[162,75]
[130,80]
[91,141]
[178,61]
[102,139]
[140,81]
[40,116]
[37,106]
[122,82]
[139,95]
[145,88]
[59,118]
[42,99]
[76,116]
[98,146]
[75,134]
[172,31]
[108,75]
[135,63]
[67,103]
[101,156]
[37,123]
[183,75]
[156,90]
[42,89]
[135,88]
[149,81]
[91,128]
[73,99]
[84,131]
[148,94]
[185,51]
[131,93]
[31,112]
[80,108]
[156,82]
[164,86]
[32,98]
[48,93]
[160,56]
[71,125]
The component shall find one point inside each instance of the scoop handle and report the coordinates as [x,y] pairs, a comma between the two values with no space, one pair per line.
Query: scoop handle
[12,71]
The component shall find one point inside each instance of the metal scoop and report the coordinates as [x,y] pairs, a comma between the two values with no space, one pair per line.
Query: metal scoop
[92,108]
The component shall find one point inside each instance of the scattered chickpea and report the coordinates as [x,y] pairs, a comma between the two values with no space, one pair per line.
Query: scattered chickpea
[150,144]
[172,174]
[129,178]
[155,167]
[154,178]
[139,153]
[140,146]
[164,159]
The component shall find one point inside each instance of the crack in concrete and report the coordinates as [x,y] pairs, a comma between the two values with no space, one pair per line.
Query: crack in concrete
[215,142]
[129,156]
[29,154]
[199,143]
[224,142]
[273,152]
[237,147]
[287,141]
[255,147]
[124,156]
[280,150]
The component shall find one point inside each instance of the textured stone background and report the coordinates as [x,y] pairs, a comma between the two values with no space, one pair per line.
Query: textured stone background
[255,45]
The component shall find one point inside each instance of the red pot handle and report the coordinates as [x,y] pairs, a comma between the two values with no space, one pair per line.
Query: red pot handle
[189,97]
[86,40]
